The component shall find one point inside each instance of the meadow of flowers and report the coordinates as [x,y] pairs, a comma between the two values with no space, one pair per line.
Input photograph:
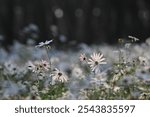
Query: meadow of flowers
[85,72]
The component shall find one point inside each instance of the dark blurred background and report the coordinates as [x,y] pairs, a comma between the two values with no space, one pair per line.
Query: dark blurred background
[73,21]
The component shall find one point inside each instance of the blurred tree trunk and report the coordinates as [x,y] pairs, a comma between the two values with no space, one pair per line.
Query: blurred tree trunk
[84,21]
[6,19]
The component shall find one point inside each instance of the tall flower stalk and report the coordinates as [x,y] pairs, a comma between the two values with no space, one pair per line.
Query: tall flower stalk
[47,46]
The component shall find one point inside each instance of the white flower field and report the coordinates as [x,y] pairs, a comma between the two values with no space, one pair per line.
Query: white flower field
[96,72]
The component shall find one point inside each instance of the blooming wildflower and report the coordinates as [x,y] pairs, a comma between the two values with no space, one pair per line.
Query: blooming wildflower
[143,60]
[82,57]
[57,75]
[31,66]
[38,66]
[42,44]
[134,39]
[45,65]
[95,61]
[34,67]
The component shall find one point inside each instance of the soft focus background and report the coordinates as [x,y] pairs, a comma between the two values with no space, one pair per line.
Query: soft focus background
[100,49]
[73,21]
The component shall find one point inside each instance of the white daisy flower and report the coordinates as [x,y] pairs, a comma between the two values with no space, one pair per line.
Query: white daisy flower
[95,61]
[45,65]
[31,66]
[42,44]
[133,39]
[57,75]
[38,66]
[82,57]
[143,60]
[34,66]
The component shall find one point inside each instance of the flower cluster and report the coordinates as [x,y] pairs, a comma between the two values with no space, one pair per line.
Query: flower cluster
[35,73]
[38,66]
[95,61]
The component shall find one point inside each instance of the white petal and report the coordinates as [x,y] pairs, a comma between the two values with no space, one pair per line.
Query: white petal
[102,59]
[103,62]
[101,56]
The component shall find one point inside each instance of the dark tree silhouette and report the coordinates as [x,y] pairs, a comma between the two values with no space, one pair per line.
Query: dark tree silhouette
[89,21]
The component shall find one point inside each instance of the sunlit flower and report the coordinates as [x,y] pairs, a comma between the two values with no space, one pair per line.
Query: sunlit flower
[45,65]
[38,66]
[57,75]
[34,66]
[133,39]
[95,61]
[82,57]
[31,66]
[42,44]
[143,60]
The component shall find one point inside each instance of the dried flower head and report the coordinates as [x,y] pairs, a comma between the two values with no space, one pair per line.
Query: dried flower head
[96,60]
[58,75]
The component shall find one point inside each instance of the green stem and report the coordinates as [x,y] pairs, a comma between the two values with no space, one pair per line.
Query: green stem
[49,59]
